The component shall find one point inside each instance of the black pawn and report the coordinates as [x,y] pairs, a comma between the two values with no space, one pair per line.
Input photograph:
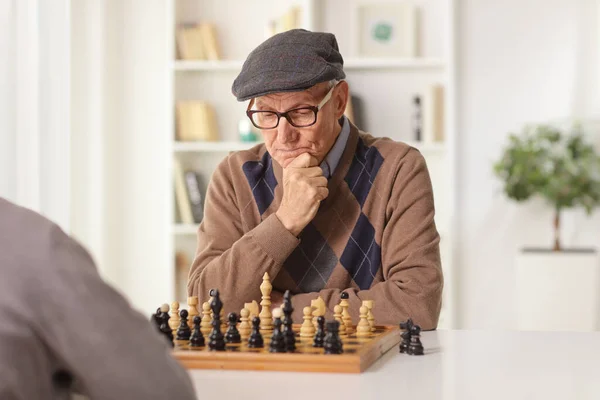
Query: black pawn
[216,340]
[320,335]
[233,335]
[288,331]
[407,327]
[166,330]
[415,348]
[256,339]
[277,339]
[184,331]
[156,318]
[197,339]
[332,342]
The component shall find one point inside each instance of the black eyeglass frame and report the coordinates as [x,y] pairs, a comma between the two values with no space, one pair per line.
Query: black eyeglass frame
[314,109]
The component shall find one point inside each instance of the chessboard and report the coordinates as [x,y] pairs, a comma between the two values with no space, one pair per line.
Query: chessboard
[359,353]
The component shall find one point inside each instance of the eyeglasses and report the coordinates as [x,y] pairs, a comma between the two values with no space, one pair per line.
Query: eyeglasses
[301,117]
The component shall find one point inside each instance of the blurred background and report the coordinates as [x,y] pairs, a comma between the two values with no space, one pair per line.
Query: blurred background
[114,113]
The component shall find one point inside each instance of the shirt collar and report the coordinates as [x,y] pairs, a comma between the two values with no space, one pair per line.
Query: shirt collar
[332,159]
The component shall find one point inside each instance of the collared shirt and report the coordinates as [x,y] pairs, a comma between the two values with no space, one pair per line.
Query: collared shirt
[332,158]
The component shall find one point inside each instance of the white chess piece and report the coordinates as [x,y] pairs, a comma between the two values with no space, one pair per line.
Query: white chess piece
[363,329]
[307,329]
[266,318]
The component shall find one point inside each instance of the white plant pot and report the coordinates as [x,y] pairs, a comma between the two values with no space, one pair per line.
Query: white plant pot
[558,291]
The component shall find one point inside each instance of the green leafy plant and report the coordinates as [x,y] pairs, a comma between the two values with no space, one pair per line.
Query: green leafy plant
[560,167]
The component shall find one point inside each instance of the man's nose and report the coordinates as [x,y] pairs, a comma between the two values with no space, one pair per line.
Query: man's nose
[285,132]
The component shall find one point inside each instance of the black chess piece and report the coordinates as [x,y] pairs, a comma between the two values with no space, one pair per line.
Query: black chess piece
[320,334]
[332,342]
[216,340]
[415,348]
[184,331]
[277,339]
[166,330]
[288,331]
[256,339]
[156,318]
[197,339]
[233,335]
[407,327]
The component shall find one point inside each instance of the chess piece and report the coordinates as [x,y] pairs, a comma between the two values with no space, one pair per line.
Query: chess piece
[256,339]
[233,335]
[165,329]
[174,321]
[252,308]
[196,339]
[156,318]
[205,325]
[407,327]
[337,315]
[216,339]
[363,329]
[266,318]
[332,342]
[415,348]
[184,331]
[164,312]
[319,307]
[192,309]
[288,331]
[277,339]
[307,329]
[244,327]
[345,314]
[370,316]
[320,335]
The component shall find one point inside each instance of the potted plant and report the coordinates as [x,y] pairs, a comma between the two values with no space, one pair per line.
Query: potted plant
[557,288]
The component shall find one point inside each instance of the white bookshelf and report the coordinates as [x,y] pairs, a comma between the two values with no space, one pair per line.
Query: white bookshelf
[386,86]
[349,64]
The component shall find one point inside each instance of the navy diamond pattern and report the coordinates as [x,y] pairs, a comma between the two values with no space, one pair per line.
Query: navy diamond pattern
[262,181]
[310,265]
[363,170]
[362,255]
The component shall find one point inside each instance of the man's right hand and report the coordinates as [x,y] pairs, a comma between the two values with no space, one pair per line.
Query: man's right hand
[304,187]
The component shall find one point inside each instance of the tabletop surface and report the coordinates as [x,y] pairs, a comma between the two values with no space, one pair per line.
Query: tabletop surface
[457,365]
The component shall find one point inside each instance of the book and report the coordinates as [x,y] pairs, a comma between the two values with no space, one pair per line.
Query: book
[190,44]
[196,120]
[433,114]
[181,194]
[193,184]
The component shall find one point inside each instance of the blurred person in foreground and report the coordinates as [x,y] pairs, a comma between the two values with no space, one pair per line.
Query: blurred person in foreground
[63,331]
[321,206]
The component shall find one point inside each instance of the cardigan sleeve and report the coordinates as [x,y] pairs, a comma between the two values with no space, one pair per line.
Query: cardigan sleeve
[412,272]
[229,258]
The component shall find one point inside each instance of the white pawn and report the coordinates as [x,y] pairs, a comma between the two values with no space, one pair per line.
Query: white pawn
[307,329]
[337,314]
[175,319]
[363,329]
[370,316]
[192,310]
[205,324]
[245,327]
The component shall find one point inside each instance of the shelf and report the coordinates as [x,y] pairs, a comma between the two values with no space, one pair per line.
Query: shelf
[349,64]
[214,147]
[185,229]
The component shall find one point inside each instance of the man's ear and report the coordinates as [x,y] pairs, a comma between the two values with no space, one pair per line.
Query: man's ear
[341,95]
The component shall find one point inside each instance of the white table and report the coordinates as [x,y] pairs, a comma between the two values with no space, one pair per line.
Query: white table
[457,365]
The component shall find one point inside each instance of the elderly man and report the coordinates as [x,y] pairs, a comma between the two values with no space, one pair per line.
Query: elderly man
[321,206]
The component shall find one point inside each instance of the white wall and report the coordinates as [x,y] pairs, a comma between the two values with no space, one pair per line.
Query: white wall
[8,186]
[519,62]
[118,152]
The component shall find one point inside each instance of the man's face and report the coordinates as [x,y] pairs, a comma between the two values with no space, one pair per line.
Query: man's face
[286,142]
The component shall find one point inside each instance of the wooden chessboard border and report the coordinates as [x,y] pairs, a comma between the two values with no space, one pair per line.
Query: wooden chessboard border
[366,354]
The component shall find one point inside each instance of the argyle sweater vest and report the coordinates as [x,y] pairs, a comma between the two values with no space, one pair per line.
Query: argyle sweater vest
[374,236]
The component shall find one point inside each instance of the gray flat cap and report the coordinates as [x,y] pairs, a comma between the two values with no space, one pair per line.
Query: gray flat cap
[291,61]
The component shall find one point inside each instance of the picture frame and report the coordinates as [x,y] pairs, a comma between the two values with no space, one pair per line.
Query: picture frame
[387,30]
